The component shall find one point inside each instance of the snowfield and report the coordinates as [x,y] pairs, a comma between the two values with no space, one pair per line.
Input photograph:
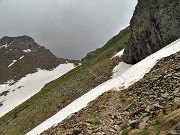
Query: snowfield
[28,86]
[120,80]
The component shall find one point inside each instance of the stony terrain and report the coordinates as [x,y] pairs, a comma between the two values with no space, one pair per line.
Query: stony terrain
[20,56]
[149,107]
[154,25]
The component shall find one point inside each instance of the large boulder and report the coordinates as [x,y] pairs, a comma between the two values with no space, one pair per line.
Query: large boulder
[155,24]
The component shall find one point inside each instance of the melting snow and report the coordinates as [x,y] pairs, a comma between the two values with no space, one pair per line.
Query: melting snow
[124,80]
[28,86]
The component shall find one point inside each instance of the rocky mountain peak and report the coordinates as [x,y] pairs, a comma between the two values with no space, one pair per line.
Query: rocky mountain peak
[22,55]
[154,25]
[20,38]
[20,43]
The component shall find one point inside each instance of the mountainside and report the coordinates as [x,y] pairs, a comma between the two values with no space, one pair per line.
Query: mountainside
[151,106]
[62,91]
[25,67]
[154,25]
[120,81]
[141,99]
[21,56]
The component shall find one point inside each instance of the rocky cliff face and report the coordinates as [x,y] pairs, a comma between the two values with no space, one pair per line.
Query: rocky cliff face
[20,56]
[154,25]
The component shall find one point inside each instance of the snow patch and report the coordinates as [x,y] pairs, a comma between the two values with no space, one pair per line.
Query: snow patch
[124,80]
[15,61]
[27,51]
[21,57]
[9,82]
[4,46]
[119,54]
[28,86]
[12,63]
[120,68]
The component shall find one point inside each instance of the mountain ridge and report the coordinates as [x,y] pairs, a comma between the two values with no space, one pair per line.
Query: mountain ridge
[25,67]
[22,55]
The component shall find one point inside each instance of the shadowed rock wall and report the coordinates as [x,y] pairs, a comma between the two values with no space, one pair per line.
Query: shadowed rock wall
[155,24]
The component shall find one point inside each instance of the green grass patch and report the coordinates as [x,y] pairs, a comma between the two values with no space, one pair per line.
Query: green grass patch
[125,129]
[93,119]
[145,131]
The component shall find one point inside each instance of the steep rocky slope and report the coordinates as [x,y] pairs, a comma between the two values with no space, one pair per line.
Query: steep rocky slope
[150,106]
[61,92]
[154,25]
[21,55]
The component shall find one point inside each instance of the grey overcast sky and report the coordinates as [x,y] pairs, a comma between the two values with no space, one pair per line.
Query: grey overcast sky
[69,28]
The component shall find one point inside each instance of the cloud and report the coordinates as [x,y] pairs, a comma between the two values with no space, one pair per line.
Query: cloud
[69,28]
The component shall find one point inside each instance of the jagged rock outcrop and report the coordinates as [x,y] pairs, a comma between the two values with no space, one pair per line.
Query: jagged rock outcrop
[154,25]
[21,55]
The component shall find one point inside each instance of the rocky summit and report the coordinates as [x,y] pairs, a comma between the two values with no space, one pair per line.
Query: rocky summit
[154,25]
[21,56]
